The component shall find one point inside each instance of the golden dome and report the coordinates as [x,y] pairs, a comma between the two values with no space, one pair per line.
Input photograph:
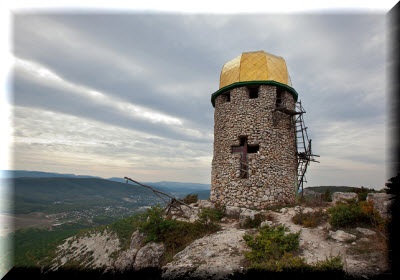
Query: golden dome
[257,67]
[254,66]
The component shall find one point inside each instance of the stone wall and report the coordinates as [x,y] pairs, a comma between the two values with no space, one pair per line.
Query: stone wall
[273,169]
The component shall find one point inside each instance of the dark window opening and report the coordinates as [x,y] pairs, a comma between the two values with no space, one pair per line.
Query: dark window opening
[278,97]
[242,140]
[253,91]
[228,96]
[252,149]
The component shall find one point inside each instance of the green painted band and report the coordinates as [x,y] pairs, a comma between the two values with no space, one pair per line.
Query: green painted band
[249,83]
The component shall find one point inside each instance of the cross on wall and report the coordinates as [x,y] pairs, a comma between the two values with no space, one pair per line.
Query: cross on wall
[243,149]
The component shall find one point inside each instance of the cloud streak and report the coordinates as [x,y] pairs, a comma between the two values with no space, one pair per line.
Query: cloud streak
[105,93]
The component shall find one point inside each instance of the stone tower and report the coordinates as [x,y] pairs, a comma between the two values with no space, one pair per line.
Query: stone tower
[255,158]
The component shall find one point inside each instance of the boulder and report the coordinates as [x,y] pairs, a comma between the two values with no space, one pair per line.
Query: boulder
[125,260]
[246,214]
[304,210]
[283,210]
[137,240]
[343,197]
[266,223]
[216,256]
[149,256]
[381,203]
[365,231]
[185,213]
[232,212]
[205,204]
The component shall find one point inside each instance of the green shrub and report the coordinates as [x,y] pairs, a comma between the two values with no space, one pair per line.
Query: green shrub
[355,214]
[344,215]
[177,234]
[274,250]
[125,227]
[216,213]
[270,243]
[362,192]
[155,225]
[287,263]
[310,219]
[209,217]
[221,210]
[190,198]
[329,264]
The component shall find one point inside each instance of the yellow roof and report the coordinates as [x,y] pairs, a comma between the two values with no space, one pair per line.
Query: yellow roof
[254,66]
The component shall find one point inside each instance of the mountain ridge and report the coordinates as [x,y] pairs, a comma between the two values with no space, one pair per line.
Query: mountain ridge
[12,174]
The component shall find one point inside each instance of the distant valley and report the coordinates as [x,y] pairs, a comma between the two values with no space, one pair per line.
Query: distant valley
[85,200]
[46,198]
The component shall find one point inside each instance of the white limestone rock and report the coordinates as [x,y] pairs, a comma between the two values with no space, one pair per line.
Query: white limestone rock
[212,257]
[125,260]
[366,231]
[343,197]
[341,236]
[149,256]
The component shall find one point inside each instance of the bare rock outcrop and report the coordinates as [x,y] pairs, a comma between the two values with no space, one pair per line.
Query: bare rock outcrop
[221,255]
[232,211]
[247,214]
[149,256]
[381,203]
[93,250]
[137,240]
[212,257]
[365,231]
[343,197]
[205,204]
[125,260]
[342,236]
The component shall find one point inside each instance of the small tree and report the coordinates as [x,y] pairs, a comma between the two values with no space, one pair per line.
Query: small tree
[327,195]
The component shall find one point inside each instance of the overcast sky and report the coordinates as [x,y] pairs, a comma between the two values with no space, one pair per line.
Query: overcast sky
[116,94]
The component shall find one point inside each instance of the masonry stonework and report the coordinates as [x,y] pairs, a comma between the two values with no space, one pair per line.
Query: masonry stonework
[271,177]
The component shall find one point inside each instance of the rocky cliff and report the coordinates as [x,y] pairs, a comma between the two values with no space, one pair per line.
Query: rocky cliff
[220,255]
